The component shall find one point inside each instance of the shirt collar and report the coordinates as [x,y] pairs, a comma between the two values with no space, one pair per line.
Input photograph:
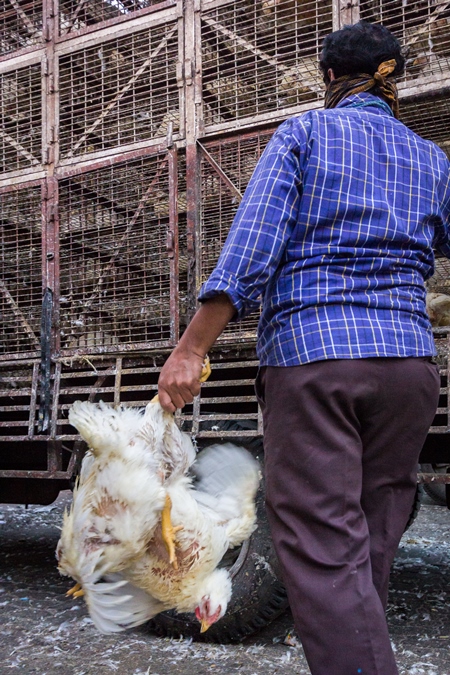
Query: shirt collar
[365,100]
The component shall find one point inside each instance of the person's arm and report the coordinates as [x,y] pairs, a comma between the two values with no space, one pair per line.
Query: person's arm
[249,259]
[179,381]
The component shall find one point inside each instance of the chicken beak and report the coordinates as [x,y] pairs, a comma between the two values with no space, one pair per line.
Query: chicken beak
[204,625]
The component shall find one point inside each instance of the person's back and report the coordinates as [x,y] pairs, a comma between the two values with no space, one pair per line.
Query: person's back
[372,197]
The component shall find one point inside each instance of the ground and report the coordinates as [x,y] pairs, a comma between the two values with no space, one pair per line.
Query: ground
[45,633]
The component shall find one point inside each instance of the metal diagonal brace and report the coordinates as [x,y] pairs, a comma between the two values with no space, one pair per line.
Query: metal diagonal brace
[74,16]
[210,159]
[20,149]
[31,28]
[122,92]
[145,197]
[249,46]
[437,11]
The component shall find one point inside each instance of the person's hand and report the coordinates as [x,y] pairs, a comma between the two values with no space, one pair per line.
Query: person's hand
[179,380]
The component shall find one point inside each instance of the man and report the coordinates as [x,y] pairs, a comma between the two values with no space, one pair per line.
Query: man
[335,235]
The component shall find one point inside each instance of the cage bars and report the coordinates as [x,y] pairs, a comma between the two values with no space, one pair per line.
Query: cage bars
[140,124]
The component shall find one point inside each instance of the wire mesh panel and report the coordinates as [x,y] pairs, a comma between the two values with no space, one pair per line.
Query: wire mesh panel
[261,55]
[226,168]
[122,91]
[20,24]
[18,387]
[440,281]
[423,27]
[430,118]
[21,271]
[78,14]
[20,118]
[115,268]
[441,421]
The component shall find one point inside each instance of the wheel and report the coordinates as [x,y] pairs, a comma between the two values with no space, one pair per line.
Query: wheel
[258,596]
[435,490]
[418,497]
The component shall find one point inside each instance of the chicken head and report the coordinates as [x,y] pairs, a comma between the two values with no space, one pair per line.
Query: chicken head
[214,601]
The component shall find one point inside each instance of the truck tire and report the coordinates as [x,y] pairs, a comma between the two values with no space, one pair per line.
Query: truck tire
[436,491]
[258,596]
[418,497]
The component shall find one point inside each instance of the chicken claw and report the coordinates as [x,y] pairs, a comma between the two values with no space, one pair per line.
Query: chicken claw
[169,531]
[206,369]
[75,591]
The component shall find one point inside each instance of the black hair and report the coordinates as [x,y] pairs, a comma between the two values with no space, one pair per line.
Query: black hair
[360,48]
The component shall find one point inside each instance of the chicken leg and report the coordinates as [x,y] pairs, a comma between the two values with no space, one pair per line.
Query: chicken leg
[76,591]
[169,531]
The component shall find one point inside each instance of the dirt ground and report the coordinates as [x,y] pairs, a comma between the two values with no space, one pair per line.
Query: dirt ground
[45,633]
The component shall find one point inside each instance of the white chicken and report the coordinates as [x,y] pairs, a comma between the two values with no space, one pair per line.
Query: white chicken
[141,536]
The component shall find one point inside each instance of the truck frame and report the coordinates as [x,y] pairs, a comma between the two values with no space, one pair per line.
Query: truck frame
[130,129]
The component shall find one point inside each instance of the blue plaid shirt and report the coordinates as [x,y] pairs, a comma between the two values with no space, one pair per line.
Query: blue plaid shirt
[334,236]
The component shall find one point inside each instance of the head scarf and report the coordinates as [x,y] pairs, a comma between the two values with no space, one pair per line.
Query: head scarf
[355,84]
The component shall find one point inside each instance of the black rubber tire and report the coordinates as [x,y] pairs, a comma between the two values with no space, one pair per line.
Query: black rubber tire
[416,506]
[258,596]
[435,491]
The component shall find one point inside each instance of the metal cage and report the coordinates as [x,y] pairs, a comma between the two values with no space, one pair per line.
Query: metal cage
[130,129]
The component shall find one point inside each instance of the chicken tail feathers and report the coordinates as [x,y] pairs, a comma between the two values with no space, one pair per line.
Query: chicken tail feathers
[103,427]
[116,605]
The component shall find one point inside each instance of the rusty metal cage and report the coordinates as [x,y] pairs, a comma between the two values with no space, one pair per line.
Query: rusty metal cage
[117,286]
[260,56]
[21,271]
[75,15]
[429,116]
[130,130]
[21,118]
[423,26]
[119,91]
[226,167]
[18,400]
[20,25]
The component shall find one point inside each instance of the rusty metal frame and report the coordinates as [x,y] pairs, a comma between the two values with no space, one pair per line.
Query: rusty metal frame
[192,139]
[110,23]
[345,12]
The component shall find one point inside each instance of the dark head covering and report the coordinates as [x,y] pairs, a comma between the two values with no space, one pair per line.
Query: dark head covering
[355,84]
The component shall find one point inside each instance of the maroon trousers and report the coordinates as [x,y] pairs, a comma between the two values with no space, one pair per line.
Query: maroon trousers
[342,442]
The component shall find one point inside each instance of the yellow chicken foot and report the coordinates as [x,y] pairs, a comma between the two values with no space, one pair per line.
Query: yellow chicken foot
[206,370]
[74,590]
[169,531]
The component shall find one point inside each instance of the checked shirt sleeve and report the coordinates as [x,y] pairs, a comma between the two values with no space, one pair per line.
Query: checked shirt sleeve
[264,221]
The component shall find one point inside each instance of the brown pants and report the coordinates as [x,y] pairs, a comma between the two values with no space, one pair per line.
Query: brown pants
[342,442]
